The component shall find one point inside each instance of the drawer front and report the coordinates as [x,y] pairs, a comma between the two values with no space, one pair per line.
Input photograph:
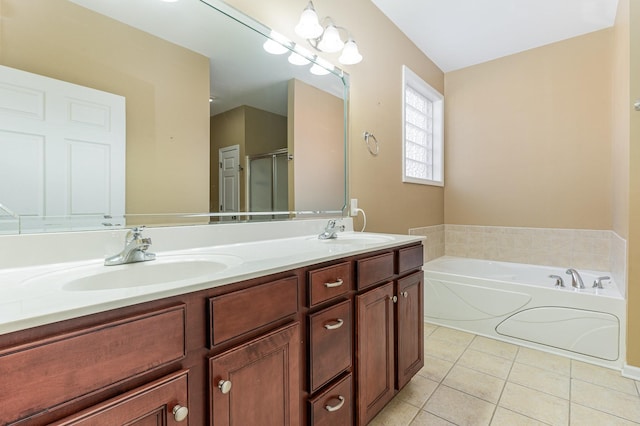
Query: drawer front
[151,404]
[374,269]
[71,365]
[330,343]
[333,407]
[329,282]
[410,258]
[243,311]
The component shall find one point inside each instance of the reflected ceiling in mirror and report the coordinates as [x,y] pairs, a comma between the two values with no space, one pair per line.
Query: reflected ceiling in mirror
[167,60]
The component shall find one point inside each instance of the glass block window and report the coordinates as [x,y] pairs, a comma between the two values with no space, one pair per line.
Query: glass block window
[423,131]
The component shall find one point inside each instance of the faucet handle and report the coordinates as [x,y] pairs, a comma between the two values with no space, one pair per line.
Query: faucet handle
[597,283]
[559,280]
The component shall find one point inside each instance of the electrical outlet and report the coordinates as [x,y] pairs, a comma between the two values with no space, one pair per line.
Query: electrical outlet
[354,207]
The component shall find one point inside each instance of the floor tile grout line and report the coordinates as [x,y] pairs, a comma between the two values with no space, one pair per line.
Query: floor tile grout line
[513,361]
[607,413]
[504,385]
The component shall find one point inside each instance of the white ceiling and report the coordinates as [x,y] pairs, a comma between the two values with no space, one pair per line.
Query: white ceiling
[458,33]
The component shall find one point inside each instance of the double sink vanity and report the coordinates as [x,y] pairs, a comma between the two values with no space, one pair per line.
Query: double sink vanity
[244,324]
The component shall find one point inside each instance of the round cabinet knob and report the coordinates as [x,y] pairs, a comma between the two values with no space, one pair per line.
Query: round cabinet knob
[180,413]
[405,294]
[224,386]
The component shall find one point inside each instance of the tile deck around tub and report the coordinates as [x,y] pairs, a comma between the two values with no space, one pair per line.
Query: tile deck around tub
[473,380]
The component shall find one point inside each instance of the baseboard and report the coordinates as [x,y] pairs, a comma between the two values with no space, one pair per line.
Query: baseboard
[631,372]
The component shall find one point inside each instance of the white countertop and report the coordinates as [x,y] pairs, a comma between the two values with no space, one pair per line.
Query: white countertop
[38,294]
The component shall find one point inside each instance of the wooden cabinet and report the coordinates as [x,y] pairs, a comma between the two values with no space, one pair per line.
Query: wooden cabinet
[375,351]
[389,331]
[39,375]
[326,344]
[409,326]
[258,383]
[330,336]
[333,406]
[163,402]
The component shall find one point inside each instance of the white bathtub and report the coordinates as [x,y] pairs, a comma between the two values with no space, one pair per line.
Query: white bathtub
[520,304]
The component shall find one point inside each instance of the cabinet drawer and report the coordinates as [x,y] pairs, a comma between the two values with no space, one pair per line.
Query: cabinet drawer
[333,407]
[70,365]
[330,343]
[150,404]
[329,282]
[240,312]
[410,258]
[375,269]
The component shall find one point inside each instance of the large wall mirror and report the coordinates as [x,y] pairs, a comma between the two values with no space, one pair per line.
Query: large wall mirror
[216,128]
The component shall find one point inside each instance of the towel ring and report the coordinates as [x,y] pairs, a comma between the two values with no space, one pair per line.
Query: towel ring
[376,148]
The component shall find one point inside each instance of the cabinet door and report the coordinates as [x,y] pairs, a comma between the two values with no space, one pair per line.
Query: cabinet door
[374,351]
[410,325]
[163,403]
[258,383]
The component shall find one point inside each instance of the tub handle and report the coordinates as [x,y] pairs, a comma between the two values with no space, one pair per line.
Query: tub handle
[559,280]
[598,282]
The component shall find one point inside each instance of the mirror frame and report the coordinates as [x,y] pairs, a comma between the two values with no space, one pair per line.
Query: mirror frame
[172,219]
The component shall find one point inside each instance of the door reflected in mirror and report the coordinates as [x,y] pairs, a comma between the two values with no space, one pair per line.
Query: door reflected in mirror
[167,60]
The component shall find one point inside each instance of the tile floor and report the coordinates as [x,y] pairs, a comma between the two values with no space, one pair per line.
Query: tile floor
[473,380]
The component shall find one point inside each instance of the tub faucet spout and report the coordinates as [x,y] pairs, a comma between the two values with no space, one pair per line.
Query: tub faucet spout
[576,279]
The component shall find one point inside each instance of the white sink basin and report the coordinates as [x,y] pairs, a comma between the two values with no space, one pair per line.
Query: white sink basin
[163,270]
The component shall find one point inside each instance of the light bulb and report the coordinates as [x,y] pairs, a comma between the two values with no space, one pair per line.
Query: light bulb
[350,54]
[298,59]
[331,41]
[309,27]
[276,44]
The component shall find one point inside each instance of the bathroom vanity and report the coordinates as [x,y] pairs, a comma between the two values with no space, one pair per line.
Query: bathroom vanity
[300,332]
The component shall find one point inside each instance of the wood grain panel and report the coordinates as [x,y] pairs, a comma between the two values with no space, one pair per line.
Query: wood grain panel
[70,365]
[374,269]
[330,348]
[240,312]
[322,283]
[410,258]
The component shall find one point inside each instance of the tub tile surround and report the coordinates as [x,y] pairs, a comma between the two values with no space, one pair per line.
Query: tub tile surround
[434,245]
[535,388]
[577,248]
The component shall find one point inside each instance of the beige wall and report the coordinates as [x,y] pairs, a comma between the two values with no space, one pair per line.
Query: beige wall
[167,107]
[375,106]
[633,262]
[265,131]
[317,145]
[528,138]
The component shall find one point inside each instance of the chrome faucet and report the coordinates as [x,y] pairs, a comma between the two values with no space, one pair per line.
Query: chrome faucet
[330,231]
[576,279]
[135,249]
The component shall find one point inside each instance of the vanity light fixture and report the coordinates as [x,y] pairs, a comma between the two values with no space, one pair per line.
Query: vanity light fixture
[327,38]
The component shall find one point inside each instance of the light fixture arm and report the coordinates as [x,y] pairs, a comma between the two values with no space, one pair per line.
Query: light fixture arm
[326,21]
[323,35]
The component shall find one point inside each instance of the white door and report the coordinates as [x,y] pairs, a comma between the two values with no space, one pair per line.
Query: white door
[62,152]
[229,179]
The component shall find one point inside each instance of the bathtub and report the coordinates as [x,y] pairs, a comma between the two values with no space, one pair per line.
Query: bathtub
[520,304]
